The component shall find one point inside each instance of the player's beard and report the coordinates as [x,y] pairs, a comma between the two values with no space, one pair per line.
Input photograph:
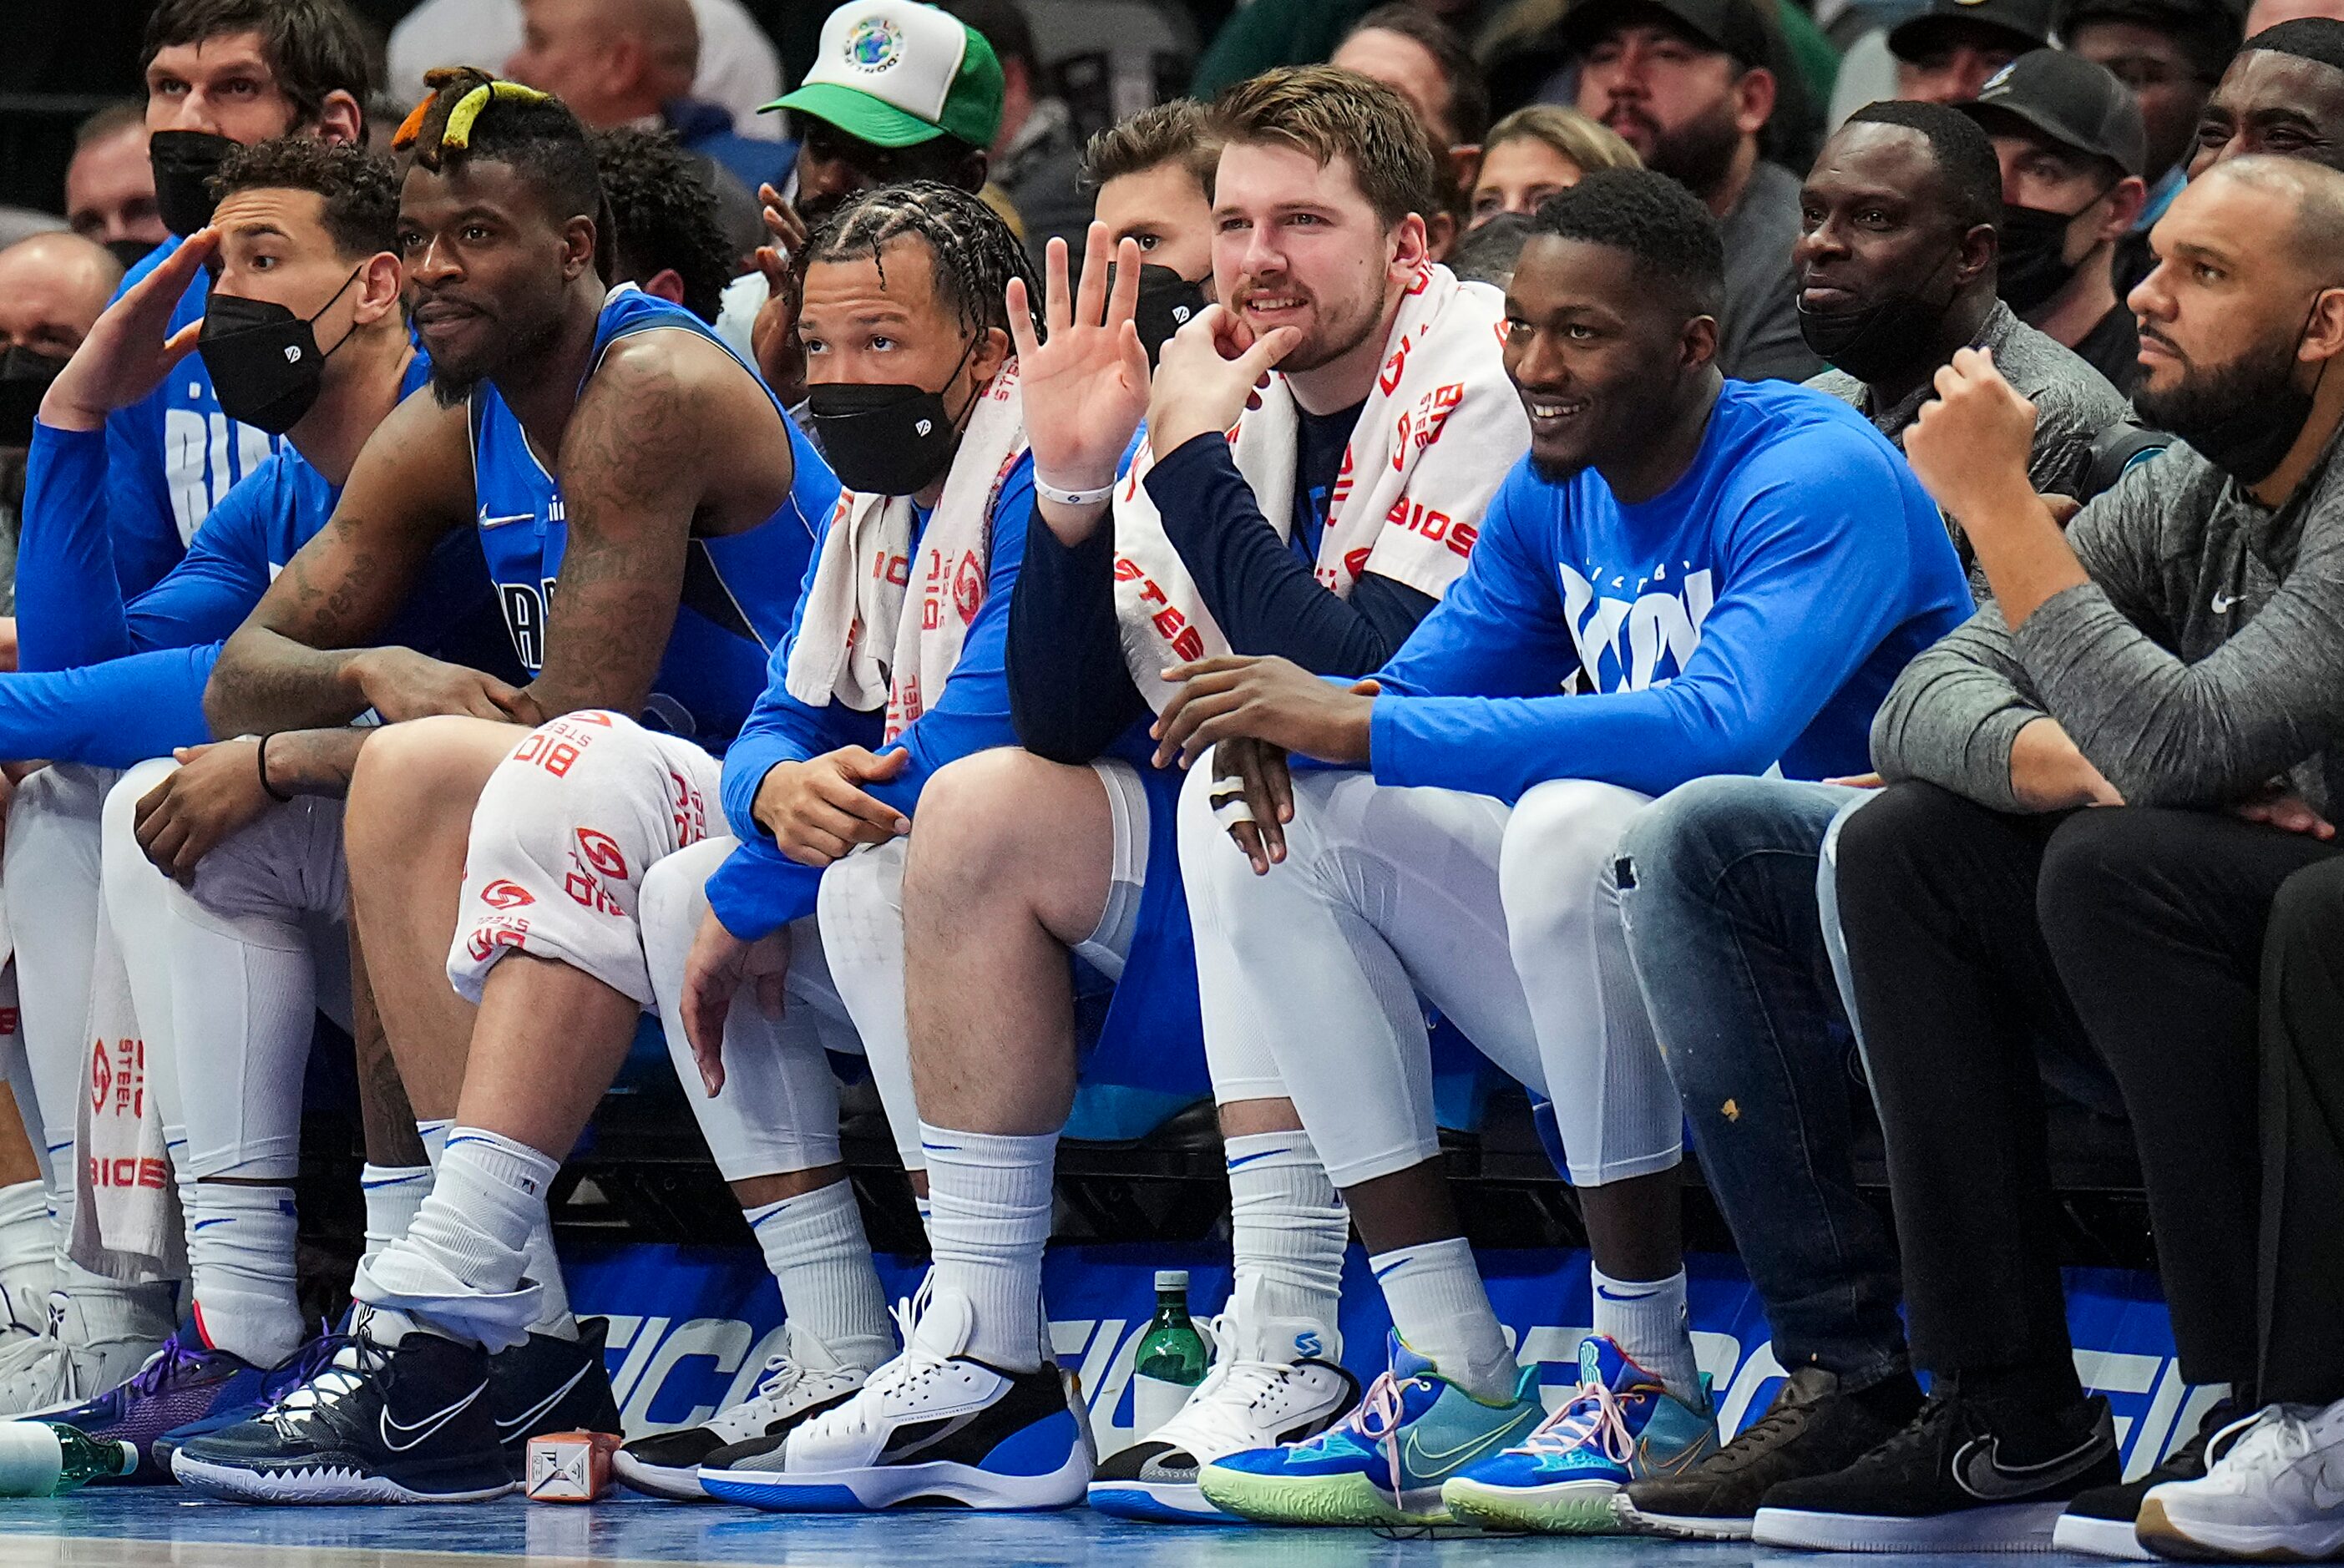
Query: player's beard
[1341,328]
[1699,154]
[453,385]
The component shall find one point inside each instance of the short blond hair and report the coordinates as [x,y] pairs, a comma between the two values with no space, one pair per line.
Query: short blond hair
[1329,113]
[1174,132]
[1588,144]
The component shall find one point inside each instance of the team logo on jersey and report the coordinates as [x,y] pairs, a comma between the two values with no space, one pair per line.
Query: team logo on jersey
[506,894]
[602,852]
[874,45]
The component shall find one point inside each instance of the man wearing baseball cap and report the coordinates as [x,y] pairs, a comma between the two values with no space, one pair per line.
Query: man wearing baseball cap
[1945,54]
[2073,146]
[2170,53]
[1693,84]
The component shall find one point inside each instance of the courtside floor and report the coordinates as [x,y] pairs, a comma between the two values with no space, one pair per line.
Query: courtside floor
[163,1527]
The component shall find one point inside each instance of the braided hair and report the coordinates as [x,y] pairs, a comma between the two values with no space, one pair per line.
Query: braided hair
[974,255]
[471,114]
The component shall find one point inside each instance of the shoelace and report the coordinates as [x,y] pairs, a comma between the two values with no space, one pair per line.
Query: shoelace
[778,1375]
[2269,1440]
[908,1372]
[150,1378]
[1597,1418]
[354,1359]
[1758,1437]
[1377,1420]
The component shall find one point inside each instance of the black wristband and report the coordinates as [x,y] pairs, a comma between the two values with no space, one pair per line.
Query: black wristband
[260,754]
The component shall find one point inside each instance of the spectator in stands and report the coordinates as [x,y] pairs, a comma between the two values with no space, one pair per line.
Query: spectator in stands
[1153,174]
[1790,565]
[1685,83]
[1264,35]
[899,91]
[1037,151]
[1953,48]
[1897,268]
[2170,53]
[110,185]
[631,63]
[670,449]
[1414,54]
[219,73]
[2263,14]
[53,288]
[1490,251]
[740,68]
[1024,859]
[2283,94]
[1537,151]
[2173,655]
[2070,137]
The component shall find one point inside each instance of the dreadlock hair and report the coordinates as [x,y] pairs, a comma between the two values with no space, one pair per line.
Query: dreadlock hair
[1672,236]
[470,114]
[1969,172]
[665,215]
[974,255]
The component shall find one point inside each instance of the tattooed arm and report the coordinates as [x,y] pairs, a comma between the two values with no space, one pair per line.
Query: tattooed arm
[670,439]
[301,658]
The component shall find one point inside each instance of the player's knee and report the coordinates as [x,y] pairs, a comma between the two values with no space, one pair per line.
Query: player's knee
[122,801]
[1560,842]
[410,776]
[984,824]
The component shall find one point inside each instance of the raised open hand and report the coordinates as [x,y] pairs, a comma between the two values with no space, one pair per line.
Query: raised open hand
[1086,389]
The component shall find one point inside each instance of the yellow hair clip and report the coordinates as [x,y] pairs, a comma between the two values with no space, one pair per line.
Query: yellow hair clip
[458,133]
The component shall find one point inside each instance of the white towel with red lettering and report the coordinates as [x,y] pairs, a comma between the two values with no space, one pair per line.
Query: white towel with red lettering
[858,642]
[1438,432]
[126,1221]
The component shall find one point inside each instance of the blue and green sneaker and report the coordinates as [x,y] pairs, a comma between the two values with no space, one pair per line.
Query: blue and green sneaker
[1622,1426]
[1383,1463]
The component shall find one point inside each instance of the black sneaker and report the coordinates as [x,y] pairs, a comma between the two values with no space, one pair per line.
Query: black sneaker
[2099,1522]
[407,1423]
[1943,1484]
[1811,1428]
[547,1384]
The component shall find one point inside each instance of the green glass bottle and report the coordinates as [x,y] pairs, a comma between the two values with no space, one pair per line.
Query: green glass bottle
[46,1459]
[1170,1360]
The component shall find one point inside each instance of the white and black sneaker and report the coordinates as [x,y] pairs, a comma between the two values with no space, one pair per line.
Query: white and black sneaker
[1250,1399]
[1964,1476]
[932,1426]
[404,1422]
[800,1381]
[2099,1523]
[2275,1494]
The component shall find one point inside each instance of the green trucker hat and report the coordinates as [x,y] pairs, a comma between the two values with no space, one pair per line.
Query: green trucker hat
[895,73]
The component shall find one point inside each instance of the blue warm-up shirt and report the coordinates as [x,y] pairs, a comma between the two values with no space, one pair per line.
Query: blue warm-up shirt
[758,889]
[111,679]
[1754,612]
[173,456]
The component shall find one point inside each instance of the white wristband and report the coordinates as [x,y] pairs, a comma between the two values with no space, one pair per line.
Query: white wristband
[1051,493]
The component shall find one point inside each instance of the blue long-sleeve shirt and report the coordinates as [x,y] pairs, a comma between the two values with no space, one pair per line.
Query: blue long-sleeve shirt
[174,455]
[759,889]
[1756,611]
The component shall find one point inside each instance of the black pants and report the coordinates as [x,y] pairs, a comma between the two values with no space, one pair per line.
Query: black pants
[2302,1237]
[1989,949]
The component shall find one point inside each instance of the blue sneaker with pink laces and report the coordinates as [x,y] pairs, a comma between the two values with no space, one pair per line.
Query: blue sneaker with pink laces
[1622,1426]
[1385,1462]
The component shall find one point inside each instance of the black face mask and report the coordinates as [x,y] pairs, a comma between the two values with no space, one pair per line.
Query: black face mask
[1167,302]
[887,437]
[264,361]
[1872,342]
[24,378]
[2242,419]
[2034,264]
[129,252]
[183,164]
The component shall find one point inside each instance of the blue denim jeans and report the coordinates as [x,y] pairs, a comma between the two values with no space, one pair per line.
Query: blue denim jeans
[1718,893]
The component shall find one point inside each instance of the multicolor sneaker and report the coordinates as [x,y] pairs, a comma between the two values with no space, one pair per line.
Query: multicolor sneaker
[799,1382]
[1385,1462]
[186,1381]
[276,1382]
[1564,1478]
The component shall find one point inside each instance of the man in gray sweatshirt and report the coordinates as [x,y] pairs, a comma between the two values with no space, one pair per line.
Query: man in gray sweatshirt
[2175,659]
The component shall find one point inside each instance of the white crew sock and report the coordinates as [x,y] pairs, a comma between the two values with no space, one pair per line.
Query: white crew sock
[1646,1319]
[814,1246]
[989,1196]
[1440,1309]
[240,1250]
[488,1195]
[1287,1231]
[393,1194]
[542,1265]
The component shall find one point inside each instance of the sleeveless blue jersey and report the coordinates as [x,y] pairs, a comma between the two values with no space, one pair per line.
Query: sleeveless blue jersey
[739,592]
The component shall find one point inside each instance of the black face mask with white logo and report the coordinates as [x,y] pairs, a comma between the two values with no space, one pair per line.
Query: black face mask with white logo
[1167,302]
[184,163]
[25,378]
[887,438]
[264,361]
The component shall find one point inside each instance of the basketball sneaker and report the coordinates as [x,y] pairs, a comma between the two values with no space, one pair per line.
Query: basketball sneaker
[1812,1428]
[797,1382]
[1262,1391]
[2100,1522]
[276,1382]
[95,1338]
[409,1422]
[547,1383]
[1952,1481]
[1385,1462]
[932,1425]
[1562,1479]
[2275,1494]
[188,1381]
